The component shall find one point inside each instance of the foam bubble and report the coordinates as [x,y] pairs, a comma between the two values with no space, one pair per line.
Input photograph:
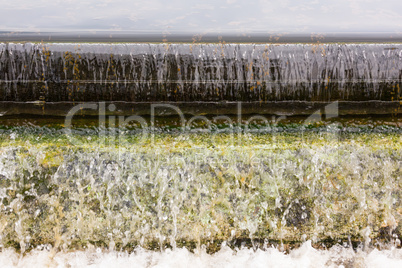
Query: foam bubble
[304,256]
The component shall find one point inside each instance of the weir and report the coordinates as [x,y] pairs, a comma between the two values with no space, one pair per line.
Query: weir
[200,72]
[281,143]
[364,78]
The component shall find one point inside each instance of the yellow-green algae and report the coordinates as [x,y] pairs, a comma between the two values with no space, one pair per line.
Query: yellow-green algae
[192,189]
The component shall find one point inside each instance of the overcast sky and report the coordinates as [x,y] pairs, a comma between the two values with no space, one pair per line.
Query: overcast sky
[213,16]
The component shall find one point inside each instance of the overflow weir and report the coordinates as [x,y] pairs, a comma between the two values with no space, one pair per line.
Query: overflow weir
[46,78]
[323,161]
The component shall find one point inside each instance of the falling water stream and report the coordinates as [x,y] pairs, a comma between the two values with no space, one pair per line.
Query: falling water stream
[296,185]
[199,72]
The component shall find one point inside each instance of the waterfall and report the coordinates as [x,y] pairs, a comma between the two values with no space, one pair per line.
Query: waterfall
[250,145]
[200,72]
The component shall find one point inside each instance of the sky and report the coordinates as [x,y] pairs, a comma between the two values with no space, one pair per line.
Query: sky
[207,16]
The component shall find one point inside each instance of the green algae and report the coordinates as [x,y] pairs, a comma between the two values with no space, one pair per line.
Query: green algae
[74,191]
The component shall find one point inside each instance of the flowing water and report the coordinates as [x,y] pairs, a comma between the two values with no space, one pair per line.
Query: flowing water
[200,72]
[294,187]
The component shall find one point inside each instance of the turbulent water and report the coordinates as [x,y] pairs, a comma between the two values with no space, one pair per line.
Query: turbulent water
[305,256]
[295,183]
[200,72]
[167,190]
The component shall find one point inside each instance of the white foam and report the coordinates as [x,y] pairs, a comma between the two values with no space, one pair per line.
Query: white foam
[305,256]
